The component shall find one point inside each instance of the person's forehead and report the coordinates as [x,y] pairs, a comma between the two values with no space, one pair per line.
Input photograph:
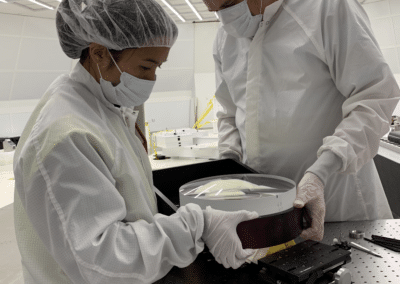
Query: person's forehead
[152,54]
[153,51]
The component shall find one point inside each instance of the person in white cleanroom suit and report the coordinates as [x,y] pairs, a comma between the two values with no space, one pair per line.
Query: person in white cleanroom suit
[85,208]
[307,95]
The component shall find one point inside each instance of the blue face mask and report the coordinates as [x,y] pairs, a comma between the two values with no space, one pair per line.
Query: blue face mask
[238,21]
[131,91]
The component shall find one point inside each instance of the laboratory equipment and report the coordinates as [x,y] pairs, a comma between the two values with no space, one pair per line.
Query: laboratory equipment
[284,194]
[394,136]
[275,207]
[364,249]
[348,245]
[8,145]
[388,243]
[306,262]
[356,234]
[170,180]
[188,143]
[395,125]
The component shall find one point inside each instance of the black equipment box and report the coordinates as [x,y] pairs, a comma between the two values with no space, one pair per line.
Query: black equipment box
[305,262]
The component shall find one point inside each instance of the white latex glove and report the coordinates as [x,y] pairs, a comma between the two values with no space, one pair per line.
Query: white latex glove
[221,237]
[310,193]
[260,253]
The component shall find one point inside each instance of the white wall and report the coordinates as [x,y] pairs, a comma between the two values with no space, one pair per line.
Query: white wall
[31,59]
[204,67]
[385,22]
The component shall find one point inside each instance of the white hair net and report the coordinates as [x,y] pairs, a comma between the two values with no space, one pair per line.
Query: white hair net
[115,24]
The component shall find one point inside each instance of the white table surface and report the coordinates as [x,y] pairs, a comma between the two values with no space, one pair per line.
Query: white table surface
[389,151]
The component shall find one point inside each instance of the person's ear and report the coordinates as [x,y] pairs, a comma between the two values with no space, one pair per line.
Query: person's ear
[99,55]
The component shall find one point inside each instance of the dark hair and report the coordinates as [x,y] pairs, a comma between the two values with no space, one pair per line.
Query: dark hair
[116,54]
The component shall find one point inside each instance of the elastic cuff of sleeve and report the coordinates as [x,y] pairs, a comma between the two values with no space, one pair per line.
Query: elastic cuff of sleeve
[230,154]
[326,165]
[196,213]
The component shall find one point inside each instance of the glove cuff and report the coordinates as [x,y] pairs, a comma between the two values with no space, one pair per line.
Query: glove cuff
[327,164]
[206,217]
[230,154]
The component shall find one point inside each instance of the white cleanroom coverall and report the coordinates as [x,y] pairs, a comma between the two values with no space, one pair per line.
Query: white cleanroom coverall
[310,92]
[85,210]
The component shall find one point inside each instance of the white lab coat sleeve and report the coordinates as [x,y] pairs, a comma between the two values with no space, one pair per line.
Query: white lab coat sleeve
[229,142]
[361,74]
[327,164]
[78,213]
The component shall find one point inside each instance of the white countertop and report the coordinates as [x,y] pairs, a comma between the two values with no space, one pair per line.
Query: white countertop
[389,151]
[7,184]
[172,163]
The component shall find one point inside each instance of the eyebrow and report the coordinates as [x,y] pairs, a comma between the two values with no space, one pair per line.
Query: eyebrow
[156,62]
[227,4]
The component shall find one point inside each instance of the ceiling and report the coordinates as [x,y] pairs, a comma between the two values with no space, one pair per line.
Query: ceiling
[27,8]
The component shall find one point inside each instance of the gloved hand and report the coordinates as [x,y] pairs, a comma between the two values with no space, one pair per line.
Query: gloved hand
[221,237]
[310,193]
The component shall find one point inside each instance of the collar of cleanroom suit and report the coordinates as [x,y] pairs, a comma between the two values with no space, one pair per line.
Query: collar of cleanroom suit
[85,209]
[310,92]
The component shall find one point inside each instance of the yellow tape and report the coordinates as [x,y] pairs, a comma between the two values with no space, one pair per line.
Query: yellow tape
[210,106]
[154,144]
[204,124]
[277,248]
